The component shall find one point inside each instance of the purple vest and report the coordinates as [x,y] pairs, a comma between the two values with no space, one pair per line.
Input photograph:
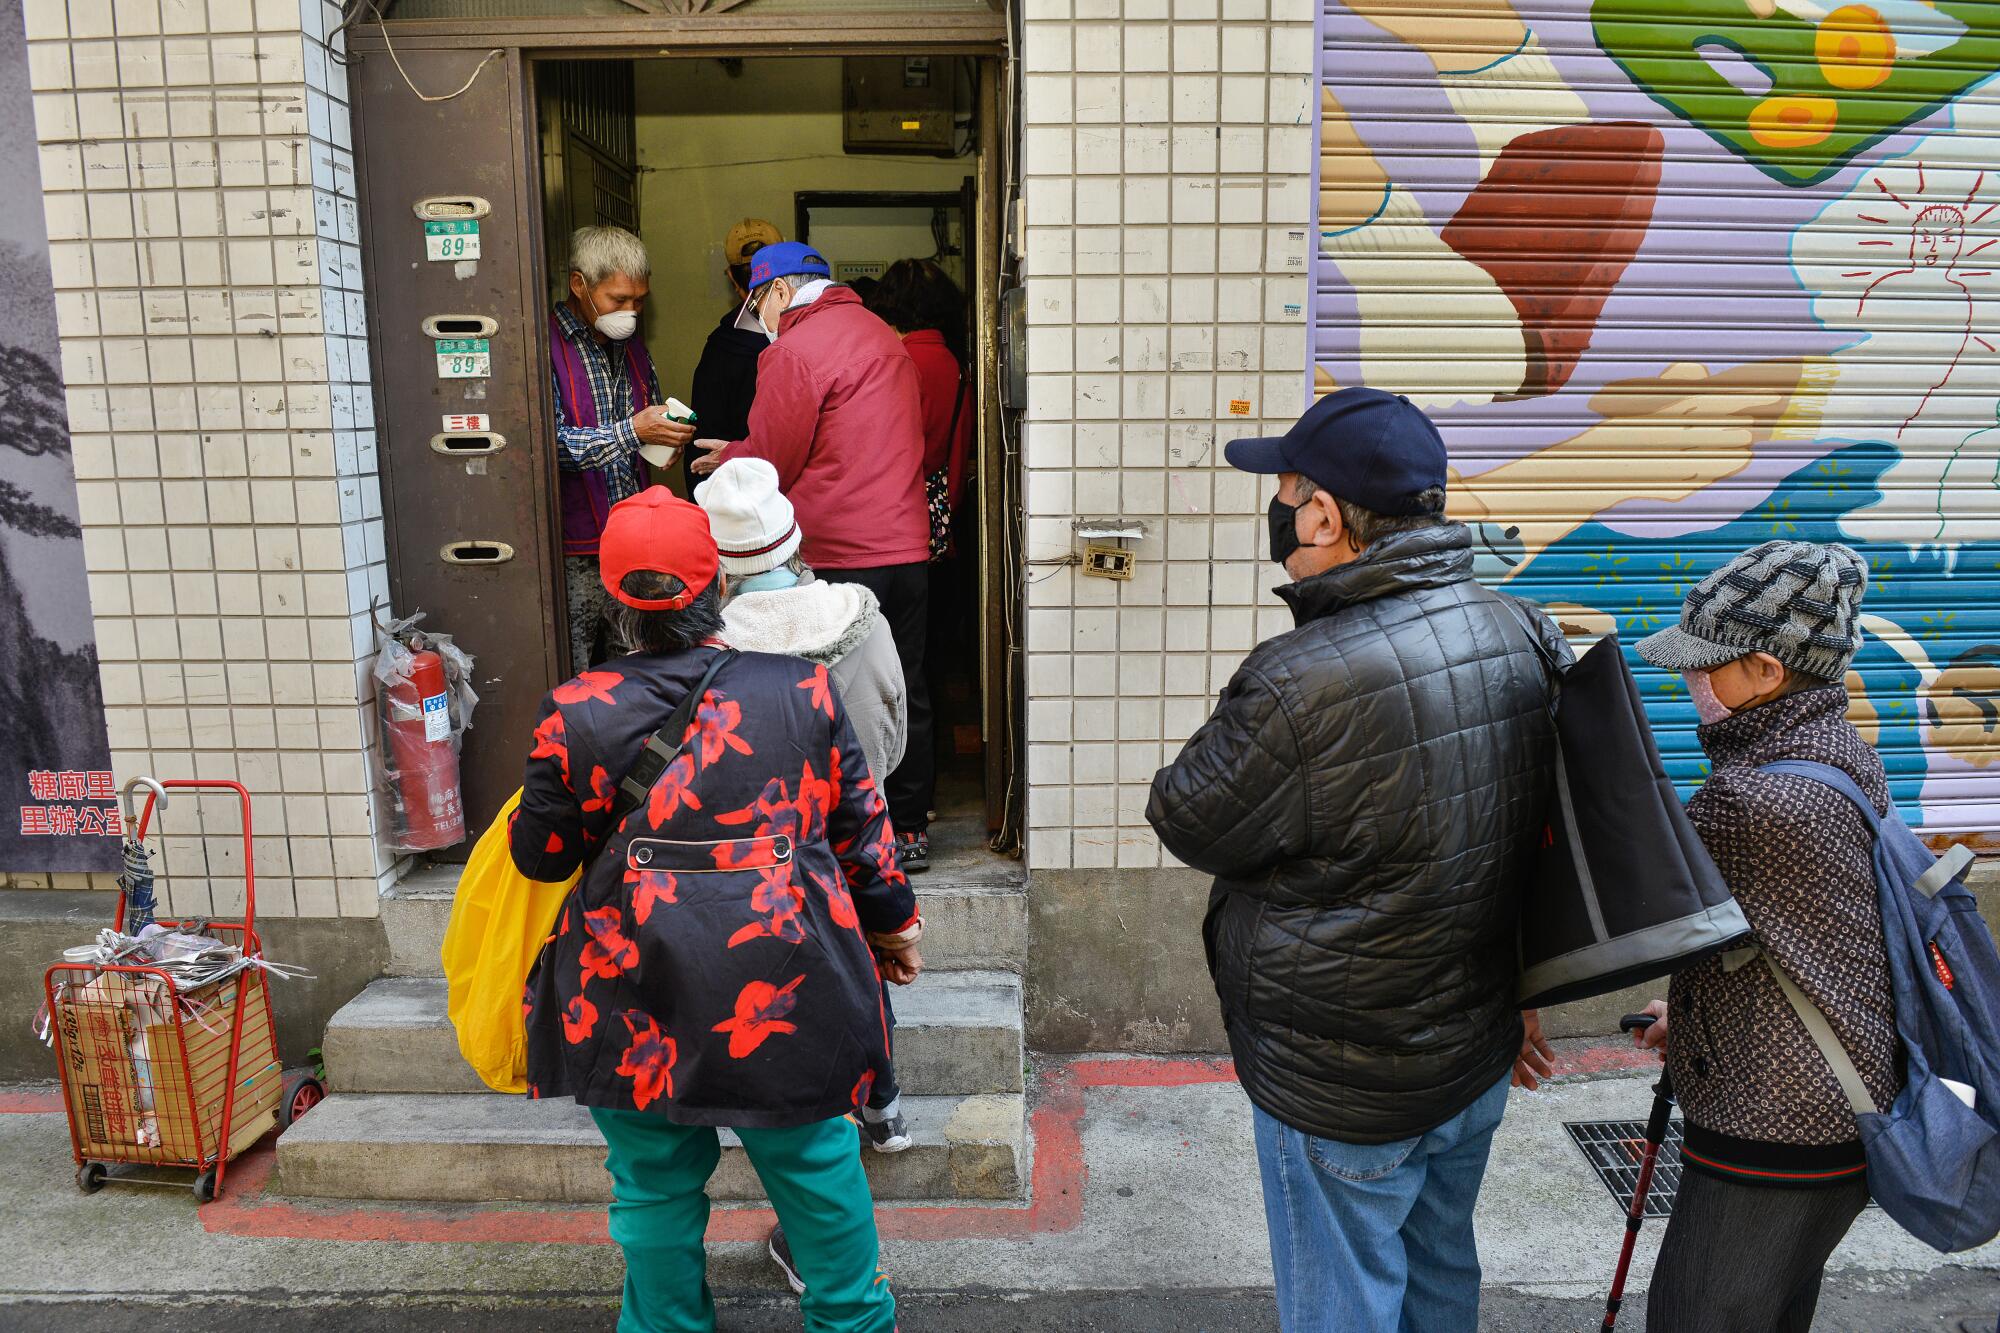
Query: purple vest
[586,497]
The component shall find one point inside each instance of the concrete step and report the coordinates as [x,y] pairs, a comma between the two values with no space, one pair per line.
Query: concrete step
[956,1033]
[975,916]
[476,1149]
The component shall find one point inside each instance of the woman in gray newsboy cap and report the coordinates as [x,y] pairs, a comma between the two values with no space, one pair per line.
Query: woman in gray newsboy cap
[1773,1173]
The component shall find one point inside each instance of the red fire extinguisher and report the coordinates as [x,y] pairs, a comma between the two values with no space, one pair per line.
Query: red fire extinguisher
[417,717]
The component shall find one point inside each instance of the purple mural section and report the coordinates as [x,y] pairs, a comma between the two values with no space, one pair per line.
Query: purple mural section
[1676,277]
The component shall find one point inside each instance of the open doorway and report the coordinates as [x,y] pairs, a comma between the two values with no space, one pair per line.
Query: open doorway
[871,160]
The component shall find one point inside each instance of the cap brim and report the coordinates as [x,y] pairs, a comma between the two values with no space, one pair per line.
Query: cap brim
[1264,454]
[1677,650]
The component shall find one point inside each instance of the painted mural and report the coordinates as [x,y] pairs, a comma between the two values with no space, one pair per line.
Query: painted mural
[1678,276]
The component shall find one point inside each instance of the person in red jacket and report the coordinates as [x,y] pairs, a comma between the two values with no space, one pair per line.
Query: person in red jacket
[839,413]
[923,305]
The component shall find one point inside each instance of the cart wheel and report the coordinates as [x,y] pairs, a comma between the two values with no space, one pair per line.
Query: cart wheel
[204,1186]
[90,1177]
[302,1091]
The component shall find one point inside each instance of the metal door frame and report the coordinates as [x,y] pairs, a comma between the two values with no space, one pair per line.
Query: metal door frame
[521,43]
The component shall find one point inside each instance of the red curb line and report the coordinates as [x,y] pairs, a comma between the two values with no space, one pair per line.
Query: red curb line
[1057,1186]
[39,1101]
[1605,1058]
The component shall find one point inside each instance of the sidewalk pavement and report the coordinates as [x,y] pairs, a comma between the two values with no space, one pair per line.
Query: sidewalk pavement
[1146,1215]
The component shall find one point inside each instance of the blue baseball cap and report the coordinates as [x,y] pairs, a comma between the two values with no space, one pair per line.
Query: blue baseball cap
[1375,449]
[786,259]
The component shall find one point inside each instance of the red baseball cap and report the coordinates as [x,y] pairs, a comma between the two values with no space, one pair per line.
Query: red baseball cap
[660,533]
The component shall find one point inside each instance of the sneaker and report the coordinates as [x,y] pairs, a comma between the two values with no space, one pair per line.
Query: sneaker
[781,1254]
[913,852]
[885,1127]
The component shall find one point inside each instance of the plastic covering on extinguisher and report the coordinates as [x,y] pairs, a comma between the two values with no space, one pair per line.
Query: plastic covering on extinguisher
[423,686]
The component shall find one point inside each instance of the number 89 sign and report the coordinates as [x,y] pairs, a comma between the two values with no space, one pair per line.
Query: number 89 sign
[451,240]
[464,358]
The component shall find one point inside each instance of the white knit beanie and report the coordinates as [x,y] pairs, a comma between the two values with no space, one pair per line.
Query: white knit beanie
[750,517]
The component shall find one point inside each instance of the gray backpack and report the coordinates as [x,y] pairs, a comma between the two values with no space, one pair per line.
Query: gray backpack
[1933,1161]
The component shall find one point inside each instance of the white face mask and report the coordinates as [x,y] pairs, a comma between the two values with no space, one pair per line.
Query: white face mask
[617,325]
[770,331]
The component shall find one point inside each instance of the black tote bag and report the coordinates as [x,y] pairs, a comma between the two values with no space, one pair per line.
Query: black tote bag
[1622,890]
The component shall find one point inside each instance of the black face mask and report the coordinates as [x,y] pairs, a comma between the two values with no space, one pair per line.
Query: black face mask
[1284,520]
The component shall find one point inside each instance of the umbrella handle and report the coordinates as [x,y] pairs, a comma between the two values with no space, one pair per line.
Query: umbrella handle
[159,797]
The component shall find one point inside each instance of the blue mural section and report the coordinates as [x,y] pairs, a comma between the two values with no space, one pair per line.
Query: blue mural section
[1929,696]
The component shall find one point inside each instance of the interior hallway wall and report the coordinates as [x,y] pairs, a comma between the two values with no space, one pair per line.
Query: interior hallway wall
[714,149]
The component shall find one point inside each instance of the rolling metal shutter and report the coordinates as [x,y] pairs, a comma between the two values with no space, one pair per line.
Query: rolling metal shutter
[1676,277]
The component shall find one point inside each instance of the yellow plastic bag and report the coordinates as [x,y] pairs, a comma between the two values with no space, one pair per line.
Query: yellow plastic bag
[499,921]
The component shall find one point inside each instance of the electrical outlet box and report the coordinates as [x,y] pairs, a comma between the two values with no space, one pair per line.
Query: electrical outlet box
[898,104]
[1108,562]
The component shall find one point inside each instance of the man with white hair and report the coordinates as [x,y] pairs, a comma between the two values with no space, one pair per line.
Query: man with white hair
[608,404]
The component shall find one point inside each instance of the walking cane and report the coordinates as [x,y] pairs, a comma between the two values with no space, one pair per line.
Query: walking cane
[1656,1134]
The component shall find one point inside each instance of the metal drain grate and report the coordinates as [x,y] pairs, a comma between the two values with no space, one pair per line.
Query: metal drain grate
[1614,1149]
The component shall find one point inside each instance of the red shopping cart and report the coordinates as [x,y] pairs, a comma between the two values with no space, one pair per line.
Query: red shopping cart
[156,1072]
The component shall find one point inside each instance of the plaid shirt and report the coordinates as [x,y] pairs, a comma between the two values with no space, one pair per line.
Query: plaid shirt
[611,449]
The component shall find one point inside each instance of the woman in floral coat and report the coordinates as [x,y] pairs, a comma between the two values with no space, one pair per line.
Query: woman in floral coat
[717,963]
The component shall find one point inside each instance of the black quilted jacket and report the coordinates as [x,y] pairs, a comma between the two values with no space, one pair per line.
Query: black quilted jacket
[1367,795]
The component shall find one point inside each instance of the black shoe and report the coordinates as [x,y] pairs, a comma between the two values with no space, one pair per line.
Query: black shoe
[781,1254]
[889,1134]
[913,852]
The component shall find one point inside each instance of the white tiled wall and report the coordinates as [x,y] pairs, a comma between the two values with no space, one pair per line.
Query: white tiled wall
[1167,163]
[199,184]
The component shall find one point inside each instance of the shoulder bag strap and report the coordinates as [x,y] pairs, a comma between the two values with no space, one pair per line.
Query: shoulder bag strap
[951,431]
[1828,776]
[664,745]
[1821,1031]
[1810,1014]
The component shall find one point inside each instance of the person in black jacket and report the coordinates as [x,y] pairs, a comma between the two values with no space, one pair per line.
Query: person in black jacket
[1368,795]
[725,379]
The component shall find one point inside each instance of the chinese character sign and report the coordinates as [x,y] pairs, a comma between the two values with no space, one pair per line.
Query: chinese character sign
[51,712]
[70,805]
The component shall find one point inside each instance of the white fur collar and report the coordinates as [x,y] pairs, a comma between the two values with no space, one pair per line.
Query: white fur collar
[821,622]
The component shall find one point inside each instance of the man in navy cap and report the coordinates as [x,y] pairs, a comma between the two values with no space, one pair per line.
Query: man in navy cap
[839,413]
[1368,795]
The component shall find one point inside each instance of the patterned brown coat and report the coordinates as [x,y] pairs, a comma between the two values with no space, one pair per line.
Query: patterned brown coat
[1797,856]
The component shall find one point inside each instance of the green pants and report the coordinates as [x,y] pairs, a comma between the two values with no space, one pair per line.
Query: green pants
[659,1212]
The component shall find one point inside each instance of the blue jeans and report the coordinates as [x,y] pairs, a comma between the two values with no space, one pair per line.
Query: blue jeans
[1369,1237]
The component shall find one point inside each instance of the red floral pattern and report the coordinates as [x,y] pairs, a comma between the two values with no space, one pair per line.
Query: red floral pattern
[603,795]
[551,743]
[607,953]
[760,1011]
[579,1020]
[819,689]
[674,790]
[779,901]
[839,903]
[642,962]
[596,685]
[715,722]
[651,887]
[776,813]
[649,1060]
